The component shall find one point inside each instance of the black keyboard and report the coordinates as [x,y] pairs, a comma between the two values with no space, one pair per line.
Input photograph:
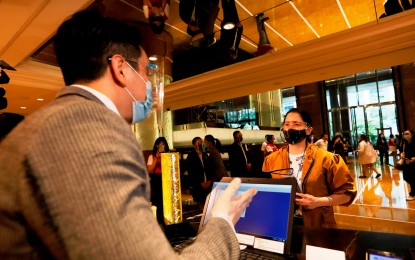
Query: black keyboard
[183,244]
[249,255]
[244,254]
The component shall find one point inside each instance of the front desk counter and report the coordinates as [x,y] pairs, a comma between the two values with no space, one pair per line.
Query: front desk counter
[354,243]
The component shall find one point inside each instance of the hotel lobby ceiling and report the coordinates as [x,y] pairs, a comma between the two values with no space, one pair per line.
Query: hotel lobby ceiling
[290,22]
[29,25]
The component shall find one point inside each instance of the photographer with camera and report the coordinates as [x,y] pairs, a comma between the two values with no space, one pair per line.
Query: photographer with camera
[408,156]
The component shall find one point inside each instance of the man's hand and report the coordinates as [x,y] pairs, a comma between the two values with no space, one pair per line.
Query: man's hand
[229,207]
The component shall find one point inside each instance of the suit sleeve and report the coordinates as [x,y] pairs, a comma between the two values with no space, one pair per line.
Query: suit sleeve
[95,188]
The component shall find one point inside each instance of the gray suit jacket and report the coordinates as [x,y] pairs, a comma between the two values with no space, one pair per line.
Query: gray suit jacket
[74,185]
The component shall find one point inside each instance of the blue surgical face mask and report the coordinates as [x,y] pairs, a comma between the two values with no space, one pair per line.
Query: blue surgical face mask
[141,108]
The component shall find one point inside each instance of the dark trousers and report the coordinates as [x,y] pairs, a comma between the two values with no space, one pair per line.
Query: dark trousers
[384,154]
[409,177]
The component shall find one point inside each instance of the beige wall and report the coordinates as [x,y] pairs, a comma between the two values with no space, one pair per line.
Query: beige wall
[310,99]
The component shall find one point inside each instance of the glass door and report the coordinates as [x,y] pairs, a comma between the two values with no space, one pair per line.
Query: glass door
[372,122]
[358,124]
[389,118]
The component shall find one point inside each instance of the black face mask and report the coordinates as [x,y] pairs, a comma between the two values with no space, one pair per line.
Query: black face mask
[294,136]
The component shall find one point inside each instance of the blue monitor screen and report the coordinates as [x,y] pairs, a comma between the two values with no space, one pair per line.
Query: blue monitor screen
[268,213]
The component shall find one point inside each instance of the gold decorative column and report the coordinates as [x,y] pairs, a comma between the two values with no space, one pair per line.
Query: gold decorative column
[172,198]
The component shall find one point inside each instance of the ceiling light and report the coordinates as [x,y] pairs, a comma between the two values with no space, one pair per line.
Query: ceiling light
[22,107]
[39,99]
[228,26]
[153,58]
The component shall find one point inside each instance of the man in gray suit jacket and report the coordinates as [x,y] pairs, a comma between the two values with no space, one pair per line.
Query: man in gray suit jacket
[73,180]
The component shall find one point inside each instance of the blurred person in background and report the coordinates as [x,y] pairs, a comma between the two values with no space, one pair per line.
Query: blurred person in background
[239,158]
[408,156]
[393,147]
[154,159]
[323,142]
[383,149]
[270,147]
[200,180]
[216,167]
[367,157]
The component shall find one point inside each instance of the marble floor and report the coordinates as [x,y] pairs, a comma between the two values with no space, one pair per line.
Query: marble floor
[380,204]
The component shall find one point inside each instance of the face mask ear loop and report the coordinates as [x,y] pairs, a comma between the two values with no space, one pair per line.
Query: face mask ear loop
[129,93]
[135,72]
[282,136]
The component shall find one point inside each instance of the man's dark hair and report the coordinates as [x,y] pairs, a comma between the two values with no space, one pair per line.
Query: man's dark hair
[156,24]
[195,139]
[235,133]
[84,43]
[215,142]
[364,137]
[304,115]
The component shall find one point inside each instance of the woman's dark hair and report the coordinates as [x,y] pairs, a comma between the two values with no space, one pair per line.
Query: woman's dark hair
[304,115]
[215,141]
[269,138]
[195,139]
[157,142]
[363,137]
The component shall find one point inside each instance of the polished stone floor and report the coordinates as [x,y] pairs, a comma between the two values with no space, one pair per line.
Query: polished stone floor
[380,204]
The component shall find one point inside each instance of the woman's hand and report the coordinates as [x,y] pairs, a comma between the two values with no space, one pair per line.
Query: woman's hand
[308,201]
